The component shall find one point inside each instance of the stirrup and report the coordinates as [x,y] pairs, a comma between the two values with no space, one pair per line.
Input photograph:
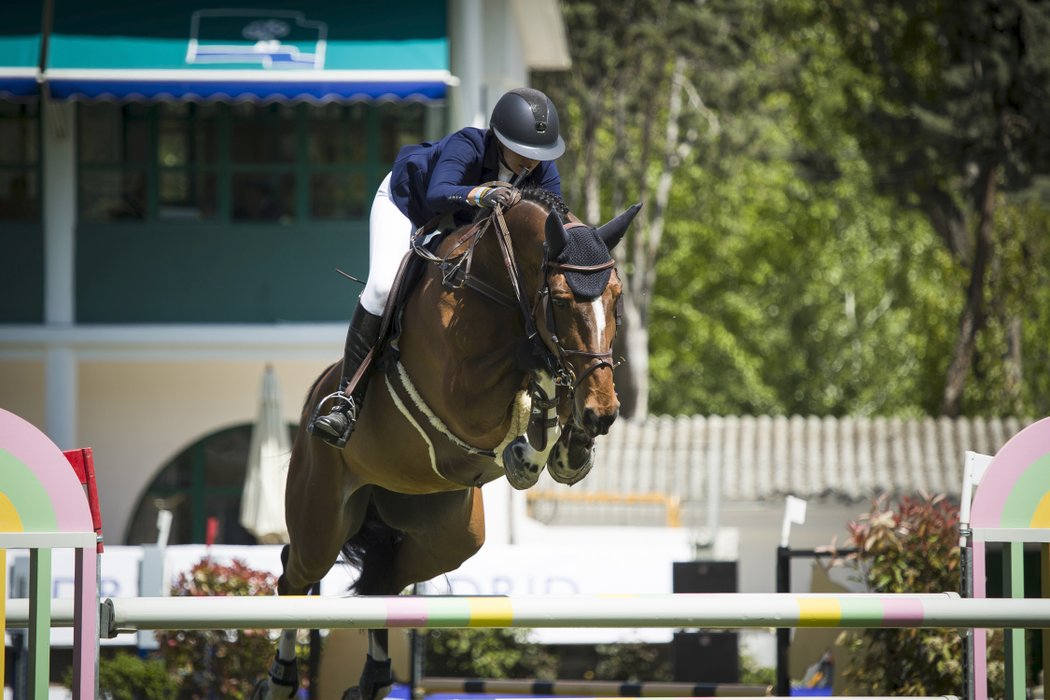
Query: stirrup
[350,413]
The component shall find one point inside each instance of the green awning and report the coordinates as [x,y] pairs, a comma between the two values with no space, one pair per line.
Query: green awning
[249,50]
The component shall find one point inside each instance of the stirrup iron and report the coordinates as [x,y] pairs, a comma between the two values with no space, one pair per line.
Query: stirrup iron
[350,413]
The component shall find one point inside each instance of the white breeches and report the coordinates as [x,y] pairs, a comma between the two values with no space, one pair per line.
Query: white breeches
[389,238]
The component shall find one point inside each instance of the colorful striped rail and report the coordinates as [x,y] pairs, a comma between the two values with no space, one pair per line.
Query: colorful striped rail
[701,610]
[598,689]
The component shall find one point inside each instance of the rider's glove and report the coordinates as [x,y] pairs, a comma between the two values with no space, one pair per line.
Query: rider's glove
[491,196]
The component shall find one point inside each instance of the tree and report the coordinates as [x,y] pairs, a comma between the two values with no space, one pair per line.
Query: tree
[811,173]
[787,284]
[948,104]
[639,107]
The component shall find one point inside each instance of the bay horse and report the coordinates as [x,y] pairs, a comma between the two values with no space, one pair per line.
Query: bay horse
[500,363]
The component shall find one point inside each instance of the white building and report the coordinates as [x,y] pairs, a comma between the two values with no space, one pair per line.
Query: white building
[178,185]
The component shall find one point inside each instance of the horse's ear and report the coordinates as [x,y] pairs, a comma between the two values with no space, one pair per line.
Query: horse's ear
[555,231]
[612,232]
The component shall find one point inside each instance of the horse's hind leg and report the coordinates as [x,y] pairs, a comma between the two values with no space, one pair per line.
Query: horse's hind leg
[414,538]
[373,549]
[437,533]
[377,675]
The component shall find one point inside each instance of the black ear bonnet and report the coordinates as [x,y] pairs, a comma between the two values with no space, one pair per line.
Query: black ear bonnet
[584,247]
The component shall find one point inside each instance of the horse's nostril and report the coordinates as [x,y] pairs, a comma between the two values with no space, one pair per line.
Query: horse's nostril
[598,423]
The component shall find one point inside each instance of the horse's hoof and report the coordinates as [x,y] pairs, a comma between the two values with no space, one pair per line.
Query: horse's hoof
[568,465]
[521,472]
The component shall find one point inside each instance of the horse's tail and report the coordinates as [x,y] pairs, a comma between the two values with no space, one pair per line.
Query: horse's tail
[371,551]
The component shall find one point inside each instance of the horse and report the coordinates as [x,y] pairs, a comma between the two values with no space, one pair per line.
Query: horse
[497,362]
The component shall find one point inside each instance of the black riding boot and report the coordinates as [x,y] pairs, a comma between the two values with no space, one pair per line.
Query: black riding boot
[335,428]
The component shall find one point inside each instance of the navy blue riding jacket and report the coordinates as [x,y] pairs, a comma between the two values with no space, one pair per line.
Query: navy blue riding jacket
[430,179]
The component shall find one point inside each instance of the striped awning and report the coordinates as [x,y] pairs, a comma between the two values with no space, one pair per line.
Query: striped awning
[246,51]
[19,51]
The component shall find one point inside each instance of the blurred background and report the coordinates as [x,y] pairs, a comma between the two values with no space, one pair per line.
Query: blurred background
[838,282]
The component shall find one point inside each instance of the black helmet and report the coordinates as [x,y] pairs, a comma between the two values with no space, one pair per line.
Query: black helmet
[526,122]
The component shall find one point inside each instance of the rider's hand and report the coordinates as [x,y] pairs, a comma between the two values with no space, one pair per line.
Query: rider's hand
[491,196]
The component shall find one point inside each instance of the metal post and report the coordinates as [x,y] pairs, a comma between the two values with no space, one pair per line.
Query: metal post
[783,684]
[966,590]
[315,654]
[416,654]
[417,641]
[1044,589]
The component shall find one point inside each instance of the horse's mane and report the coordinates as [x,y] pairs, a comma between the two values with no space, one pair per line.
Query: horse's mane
[547,198]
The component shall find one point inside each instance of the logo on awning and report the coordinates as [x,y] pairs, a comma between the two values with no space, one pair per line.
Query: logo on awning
[270,39]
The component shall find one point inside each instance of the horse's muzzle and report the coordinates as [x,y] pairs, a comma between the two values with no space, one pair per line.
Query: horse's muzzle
[595,423]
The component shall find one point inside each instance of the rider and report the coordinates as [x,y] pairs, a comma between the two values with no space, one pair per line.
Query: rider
[430,180]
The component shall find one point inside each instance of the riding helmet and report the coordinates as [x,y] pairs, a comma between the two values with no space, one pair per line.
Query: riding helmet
[526,122]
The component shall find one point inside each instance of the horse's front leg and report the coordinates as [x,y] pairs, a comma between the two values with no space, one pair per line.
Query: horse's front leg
[525,456]
[572,456]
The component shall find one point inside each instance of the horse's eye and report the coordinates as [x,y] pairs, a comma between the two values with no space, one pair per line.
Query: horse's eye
[560,303]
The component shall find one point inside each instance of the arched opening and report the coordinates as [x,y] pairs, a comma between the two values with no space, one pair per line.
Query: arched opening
[206,480]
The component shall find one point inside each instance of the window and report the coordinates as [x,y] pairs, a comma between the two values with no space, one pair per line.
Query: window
[242,163]
[19,162]
[188,162]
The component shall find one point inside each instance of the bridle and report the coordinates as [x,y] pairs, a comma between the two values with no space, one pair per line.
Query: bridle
[564,375]
[456,274]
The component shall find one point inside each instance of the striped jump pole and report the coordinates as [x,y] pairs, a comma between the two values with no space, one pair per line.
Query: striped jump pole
[699,610]
[595,690]
[739,697]
[598,689]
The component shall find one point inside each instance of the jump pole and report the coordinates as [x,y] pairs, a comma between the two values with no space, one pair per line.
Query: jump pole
[596,689]
[702,610]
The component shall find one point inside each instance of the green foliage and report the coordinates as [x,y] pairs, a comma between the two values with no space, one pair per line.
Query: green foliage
[913,548]
[753,674]
[495,653]
[632,663]
[125,676]
[224,662]
[790,296]
[943,102]
[1010,378]
[820,228]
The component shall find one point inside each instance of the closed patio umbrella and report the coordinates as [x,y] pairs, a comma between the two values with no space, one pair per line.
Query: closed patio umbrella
[262,502]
